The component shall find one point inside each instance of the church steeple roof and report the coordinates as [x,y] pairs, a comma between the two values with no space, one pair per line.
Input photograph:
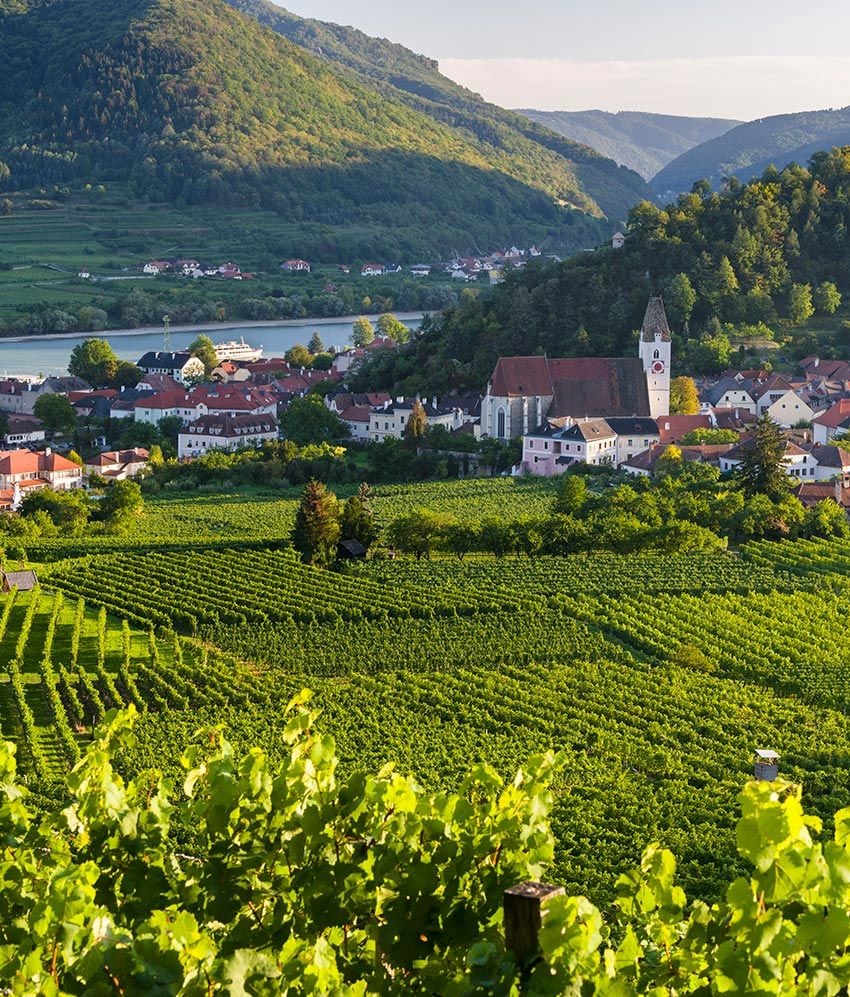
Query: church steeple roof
[655,322]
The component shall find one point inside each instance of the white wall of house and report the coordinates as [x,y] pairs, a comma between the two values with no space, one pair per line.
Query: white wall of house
[197,444]
[737,398]
[786,408]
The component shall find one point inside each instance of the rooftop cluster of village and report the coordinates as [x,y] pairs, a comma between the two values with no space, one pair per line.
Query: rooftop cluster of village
[587,410]
[468,268]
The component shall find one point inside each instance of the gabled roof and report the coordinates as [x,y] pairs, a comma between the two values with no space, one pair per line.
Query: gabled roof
[829,455]
[625,426]
[589,431]
[169,361]
[598,387]
[836,415]
[24,581]
[725,384]
[655,324]
[521,376]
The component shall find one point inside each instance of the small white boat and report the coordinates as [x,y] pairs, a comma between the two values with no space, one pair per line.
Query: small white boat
[240,350]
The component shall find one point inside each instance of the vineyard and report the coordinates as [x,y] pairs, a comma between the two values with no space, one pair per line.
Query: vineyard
[657,674]
[66,664]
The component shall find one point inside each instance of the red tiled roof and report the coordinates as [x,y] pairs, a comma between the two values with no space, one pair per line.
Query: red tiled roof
[23,461]
[673,427]
[521,376]
[835,415]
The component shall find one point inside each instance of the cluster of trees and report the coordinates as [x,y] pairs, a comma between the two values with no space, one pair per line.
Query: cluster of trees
[275,463]
[686,507]
[322,523]
[772,250]
[98,364]
[405,890]
[49,513]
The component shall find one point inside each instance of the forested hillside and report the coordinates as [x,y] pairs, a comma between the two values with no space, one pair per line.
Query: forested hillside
[642,141]
[746,151]
[197,103]
[749,255]
[574,172]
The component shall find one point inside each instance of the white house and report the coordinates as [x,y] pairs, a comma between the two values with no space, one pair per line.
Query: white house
[31,471]
[618,240]
[118,465]
[183,367]
[156,267]
[23,431]
[783,404]
[732,393]
[552,448]
[832,423]
[373,270]
[391,418]
[225,432]
[799,463]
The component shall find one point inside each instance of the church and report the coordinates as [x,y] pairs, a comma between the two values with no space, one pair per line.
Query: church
[529,393]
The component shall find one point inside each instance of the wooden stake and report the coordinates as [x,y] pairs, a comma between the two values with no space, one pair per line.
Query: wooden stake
[523,907]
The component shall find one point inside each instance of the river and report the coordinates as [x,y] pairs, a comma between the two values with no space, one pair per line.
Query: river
[49,354]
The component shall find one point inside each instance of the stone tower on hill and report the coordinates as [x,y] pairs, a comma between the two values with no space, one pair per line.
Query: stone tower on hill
[655,355]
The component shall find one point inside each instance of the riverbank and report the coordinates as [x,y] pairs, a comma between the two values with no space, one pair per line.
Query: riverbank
[151,330]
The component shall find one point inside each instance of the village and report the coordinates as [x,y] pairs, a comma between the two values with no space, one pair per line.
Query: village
[603,412]
[490,267]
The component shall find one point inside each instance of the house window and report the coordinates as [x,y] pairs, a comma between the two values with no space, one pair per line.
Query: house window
[531,444]
[500,423]
[545,446]
[656,355]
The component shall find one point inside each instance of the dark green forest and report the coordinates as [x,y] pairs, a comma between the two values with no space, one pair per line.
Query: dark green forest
[195,103]
[748,256]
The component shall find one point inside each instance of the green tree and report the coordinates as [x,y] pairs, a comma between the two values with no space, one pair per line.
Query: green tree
[316,533]
[362,332]
[94,361]
[316,346]
[571,495]
[389,325]
[127,375]
[800,307]
[417,424]
[358,518]
[308,420]
[56,412]
[203,348]
[826,298]
[298,356]
[679,299]
[6,207]
[710,436]
[121,504]
[419,532]
[4,425]
[762,467]
[69,510]
[684,398]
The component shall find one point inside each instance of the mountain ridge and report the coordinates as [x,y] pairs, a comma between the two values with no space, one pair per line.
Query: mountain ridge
[415,80]
[641,140]
[197,102]
[748,149]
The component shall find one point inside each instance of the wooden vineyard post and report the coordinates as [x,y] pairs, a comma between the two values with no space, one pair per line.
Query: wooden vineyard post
[523,909]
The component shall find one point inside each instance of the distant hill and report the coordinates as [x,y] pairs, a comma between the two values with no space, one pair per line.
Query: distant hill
[642,141]
[746,151]
[575,174]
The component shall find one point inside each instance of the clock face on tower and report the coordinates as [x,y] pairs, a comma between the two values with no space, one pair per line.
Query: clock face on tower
[658,367]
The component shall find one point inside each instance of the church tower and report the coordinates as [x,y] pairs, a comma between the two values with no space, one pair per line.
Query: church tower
[655,356]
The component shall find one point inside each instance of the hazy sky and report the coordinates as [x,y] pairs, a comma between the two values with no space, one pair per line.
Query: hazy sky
[730,58]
